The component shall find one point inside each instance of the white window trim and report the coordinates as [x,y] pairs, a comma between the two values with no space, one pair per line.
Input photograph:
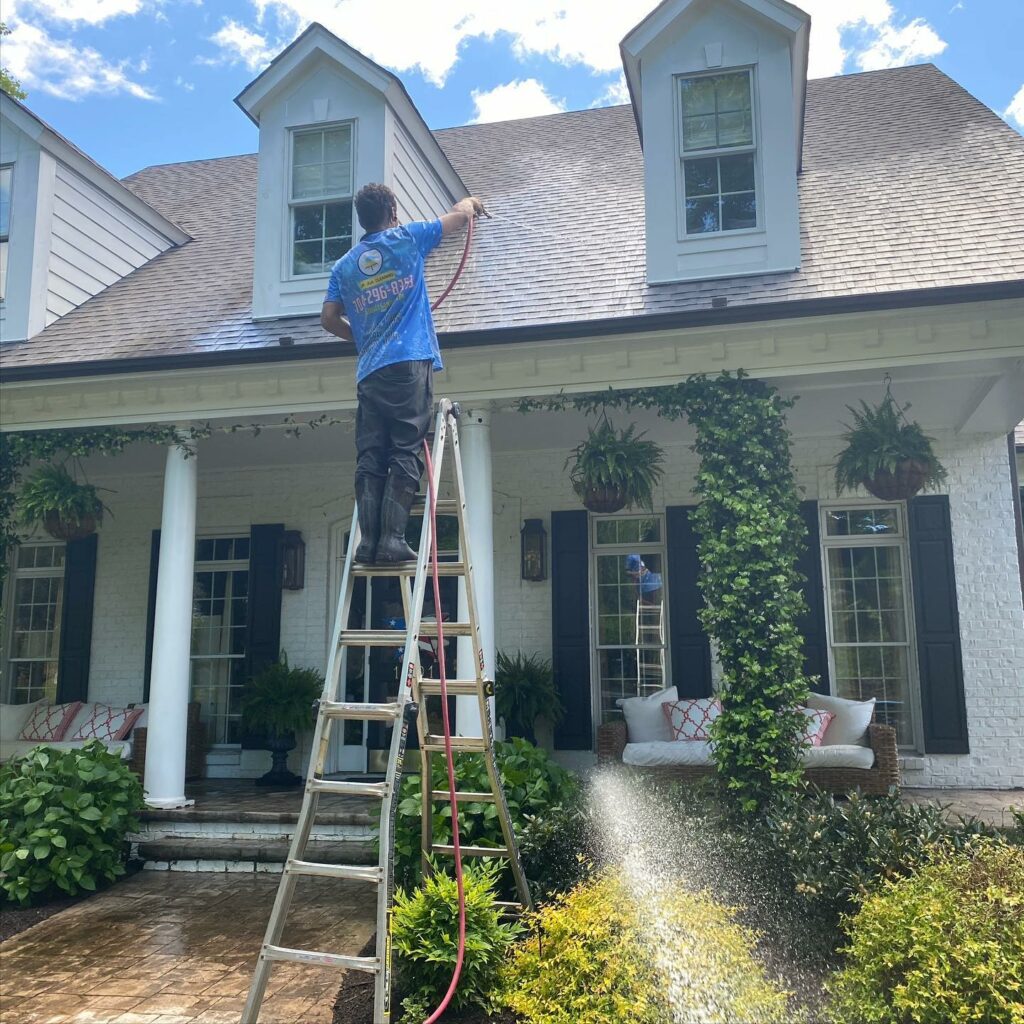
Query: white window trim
[627,548]
[7,596]
[754,147]
[287,273]
[900,540]
[224,565]
[7,238]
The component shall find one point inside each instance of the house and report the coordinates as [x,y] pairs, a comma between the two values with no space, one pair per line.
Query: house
[820,235]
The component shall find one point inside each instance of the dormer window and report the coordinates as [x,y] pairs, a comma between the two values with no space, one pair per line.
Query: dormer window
[717,149]
[320,198]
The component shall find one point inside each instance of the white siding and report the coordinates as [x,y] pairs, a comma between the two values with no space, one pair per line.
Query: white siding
[94,242]
[421,193]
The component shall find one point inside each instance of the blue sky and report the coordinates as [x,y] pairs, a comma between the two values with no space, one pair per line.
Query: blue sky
[138,82]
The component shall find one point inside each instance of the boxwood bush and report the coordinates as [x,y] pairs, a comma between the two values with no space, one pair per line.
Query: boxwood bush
[534,784]
[944,944]
[64,818]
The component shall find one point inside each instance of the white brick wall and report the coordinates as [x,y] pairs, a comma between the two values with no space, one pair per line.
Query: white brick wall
[311,498]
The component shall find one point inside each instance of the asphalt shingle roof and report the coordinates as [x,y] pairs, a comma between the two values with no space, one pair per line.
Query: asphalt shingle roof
[908,183]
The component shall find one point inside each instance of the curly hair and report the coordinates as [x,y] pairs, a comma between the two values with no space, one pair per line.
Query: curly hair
[375,206]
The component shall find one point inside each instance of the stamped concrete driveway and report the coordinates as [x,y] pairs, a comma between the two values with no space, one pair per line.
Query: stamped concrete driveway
[178,948]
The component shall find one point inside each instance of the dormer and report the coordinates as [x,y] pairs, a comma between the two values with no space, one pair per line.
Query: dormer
[718,89]
[331,121]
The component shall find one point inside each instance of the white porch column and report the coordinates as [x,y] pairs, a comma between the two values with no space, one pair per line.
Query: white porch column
[172,636]
[475,445]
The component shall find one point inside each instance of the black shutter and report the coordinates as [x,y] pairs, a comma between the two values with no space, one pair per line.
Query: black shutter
[154,567]
[691,651]
[812,623]
[938,626]
[76,619]
[263,640]
[570,627]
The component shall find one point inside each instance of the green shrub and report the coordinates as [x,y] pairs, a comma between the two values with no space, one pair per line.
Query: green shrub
[425,935]
[524,690]
[602,958]
[64,816]
[558,849]
[834,851]
[533,782]
[945,944]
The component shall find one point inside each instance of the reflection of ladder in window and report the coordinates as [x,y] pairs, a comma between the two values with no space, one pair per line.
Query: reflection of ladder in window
[410,706]
[650,640]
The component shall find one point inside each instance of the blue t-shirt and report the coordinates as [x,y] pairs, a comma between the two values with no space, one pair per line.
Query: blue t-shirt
[380,283]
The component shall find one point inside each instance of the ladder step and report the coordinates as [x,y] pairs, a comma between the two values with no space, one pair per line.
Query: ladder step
[341,787]
[396,637]
[360,710]
[472,851]
[444,506]
[353,872]
[310,956]
[463,744]
[443,796]
[456,687]
[408,569]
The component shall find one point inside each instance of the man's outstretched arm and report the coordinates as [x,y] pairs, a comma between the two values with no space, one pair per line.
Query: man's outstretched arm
[461,214]
[332,320]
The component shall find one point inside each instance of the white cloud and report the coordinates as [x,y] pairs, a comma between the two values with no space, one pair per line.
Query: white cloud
[1015,111]
[614,93]
[523,98]
[61,68]
[182,84]
[240,45]
[895,47]
[89,12]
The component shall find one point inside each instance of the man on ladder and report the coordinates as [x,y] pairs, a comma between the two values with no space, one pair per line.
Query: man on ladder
[377,297]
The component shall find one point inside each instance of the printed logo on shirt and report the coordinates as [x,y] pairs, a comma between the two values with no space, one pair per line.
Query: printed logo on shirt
[370,261]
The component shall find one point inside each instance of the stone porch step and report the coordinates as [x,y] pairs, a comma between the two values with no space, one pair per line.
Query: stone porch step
[261,854]
[336,811]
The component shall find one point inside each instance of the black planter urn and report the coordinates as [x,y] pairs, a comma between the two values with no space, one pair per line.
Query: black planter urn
[279,775]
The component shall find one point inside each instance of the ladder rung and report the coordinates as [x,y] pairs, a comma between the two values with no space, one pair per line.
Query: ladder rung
[472,851]
[342,787]
[463,744]
[429,628]
[360,710]
[444,506]
[311,956]
[353,872]
[444,796]
[408,569]
[396,637]
[456,687]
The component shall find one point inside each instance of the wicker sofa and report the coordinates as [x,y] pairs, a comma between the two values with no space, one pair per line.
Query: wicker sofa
[878,779]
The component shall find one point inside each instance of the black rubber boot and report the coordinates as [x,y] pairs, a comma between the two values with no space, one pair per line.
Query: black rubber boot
[369,492]
[394,515]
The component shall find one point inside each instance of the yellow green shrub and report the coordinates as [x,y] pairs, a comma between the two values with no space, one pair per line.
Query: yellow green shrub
[945,944]
[603,956]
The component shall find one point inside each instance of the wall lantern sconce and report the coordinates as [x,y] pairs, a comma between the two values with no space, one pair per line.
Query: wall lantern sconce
[534,559]
[293,560]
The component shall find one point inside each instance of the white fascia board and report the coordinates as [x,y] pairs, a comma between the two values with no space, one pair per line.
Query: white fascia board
[70,155]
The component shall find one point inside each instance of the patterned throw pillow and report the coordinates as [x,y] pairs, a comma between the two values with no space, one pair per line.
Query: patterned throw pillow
[817,723]
[49,722]
[107,723]
[691,719]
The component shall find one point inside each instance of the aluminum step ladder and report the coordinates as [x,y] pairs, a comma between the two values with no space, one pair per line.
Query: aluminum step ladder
[408,710]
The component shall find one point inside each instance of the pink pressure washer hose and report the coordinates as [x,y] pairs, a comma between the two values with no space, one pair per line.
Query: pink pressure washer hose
[456,845]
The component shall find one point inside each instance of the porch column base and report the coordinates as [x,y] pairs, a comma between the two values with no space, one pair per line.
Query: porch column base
[170,803]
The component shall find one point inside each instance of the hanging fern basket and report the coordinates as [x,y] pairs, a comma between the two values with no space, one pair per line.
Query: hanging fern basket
[909,477]
[604,499]
[68,529]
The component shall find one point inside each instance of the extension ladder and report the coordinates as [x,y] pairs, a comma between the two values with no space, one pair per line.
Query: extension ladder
[410,706]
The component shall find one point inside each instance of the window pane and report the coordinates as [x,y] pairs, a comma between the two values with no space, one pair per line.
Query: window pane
[338,220]
[698,95]
[6,175]
[701,215]
[308,258]
[334,249]
[737,172]
[308,182]
[701,177]
[735,129]
[863,522]
[739,211]
[309,222]
[338,144]
[308,148]
[336,178]
[699,132]
[732,91]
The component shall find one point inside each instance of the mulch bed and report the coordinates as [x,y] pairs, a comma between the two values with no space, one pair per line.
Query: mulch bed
[354,1004]
[14,919]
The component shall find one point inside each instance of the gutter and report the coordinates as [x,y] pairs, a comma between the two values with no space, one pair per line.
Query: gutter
[577,329]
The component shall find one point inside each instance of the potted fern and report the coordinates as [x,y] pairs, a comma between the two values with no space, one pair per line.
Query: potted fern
[278,704]
[524,690]
[887,454]
[66,509]
[614,469]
